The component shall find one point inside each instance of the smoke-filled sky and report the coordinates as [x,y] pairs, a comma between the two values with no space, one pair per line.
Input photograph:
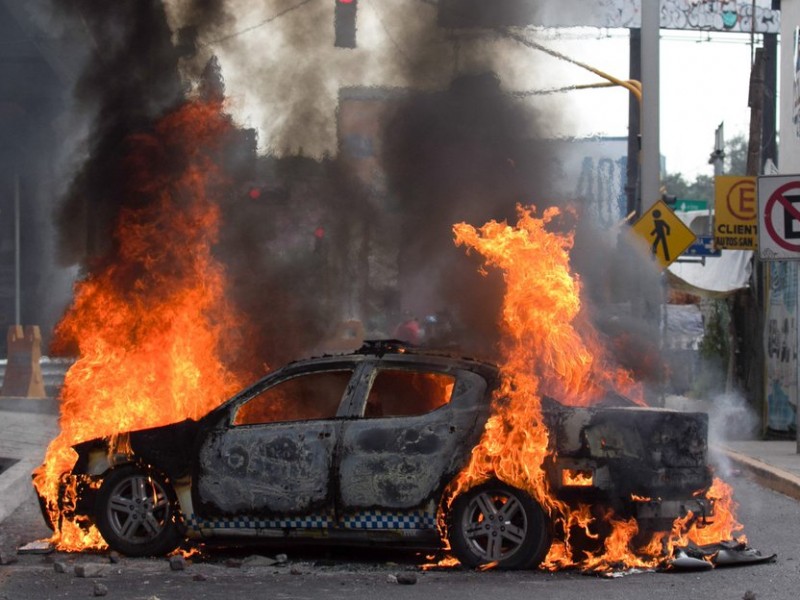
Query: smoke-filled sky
[458,148]
[704,77]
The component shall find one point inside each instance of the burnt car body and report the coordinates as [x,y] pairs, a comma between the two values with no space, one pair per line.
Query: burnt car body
[360,449]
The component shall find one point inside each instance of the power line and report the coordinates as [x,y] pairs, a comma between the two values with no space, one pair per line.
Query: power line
[261,24]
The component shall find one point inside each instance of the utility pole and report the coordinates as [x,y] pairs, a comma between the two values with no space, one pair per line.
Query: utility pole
[634,125]
[717,158]
[769,141]
[651,155]
[17,255]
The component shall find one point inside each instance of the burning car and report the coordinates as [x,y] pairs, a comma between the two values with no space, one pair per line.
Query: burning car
[362,448]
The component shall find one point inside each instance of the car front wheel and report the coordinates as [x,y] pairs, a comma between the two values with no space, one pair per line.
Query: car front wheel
[495,523]
[136,513]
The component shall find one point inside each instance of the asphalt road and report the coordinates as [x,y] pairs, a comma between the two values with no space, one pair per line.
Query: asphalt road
[772,525]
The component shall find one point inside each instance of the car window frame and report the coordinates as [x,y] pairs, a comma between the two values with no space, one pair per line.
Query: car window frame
[372,368]
[231,407]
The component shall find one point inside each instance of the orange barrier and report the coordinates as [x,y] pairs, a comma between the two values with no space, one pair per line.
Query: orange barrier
[23,376]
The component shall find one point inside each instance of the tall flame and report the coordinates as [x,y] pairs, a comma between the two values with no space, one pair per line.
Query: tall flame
[151,324]
[549,347]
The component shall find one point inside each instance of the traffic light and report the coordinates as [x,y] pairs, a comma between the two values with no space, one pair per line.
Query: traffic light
[344,23]
[266,193]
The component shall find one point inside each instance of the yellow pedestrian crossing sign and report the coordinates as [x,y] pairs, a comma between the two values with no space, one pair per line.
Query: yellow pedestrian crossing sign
[667,236]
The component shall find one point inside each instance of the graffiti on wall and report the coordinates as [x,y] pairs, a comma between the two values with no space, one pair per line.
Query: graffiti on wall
[796,82]
[708,15]
[601,186]
[781,346]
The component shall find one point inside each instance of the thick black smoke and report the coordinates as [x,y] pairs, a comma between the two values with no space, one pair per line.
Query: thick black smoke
[130,79]
[297,252]
[471,153]
[460,155]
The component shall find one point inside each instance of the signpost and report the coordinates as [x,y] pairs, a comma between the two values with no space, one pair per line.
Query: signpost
[686,205]
[735,212]
[666,234]
[703,247]
[779,217]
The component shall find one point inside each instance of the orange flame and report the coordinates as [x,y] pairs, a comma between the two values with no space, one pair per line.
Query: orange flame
[577,477]
[152,325]
[549,347]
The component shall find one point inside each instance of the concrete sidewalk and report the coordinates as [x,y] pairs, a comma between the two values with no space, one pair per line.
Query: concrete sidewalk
[26,427]
[774,464]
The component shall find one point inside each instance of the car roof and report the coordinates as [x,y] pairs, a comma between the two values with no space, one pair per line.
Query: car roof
[397,350]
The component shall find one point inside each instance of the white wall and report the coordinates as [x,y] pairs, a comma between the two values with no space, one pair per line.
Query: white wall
[789,148]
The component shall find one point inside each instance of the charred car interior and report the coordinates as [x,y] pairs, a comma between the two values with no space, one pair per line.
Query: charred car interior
[361,448]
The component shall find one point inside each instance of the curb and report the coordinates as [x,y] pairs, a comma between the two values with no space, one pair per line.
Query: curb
[26,428]
[16,485]
[766,475]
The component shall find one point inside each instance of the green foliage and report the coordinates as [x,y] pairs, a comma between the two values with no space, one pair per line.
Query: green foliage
[715,349]
[702,188]
[736,156]
[716,341]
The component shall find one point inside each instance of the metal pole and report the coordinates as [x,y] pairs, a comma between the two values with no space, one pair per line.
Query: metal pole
[17,286]
[633,168]
[651,155]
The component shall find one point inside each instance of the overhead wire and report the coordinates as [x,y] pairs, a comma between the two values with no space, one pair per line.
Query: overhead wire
[266,21]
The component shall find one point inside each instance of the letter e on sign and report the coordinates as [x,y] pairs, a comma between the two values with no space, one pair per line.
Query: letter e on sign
[742,200]
[735,209]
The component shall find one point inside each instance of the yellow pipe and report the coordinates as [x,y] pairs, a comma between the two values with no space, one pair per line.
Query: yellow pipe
[632,85]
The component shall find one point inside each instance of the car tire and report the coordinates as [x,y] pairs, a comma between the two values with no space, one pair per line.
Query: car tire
[494,523]
[136,512]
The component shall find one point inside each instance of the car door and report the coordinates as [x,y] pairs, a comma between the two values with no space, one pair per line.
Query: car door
[271,459]
[416,427]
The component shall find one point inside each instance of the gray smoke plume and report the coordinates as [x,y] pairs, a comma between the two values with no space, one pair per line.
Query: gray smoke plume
[312,247]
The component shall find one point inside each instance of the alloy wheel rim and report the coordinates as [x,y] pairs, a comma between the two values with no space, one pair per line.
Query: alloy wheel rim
[138,509]
[494,525]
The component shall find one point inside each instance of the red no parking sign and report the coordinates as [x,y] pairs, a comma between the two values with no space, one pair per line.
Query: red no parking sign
[779,217]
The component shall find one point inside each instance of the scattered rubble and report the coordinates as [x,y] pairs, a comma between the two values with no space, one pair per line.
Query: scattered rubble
[257,560]
[90,570]
[406,578]
[37,547]
[99,589]
[177,562]
[60,566]
[402,578]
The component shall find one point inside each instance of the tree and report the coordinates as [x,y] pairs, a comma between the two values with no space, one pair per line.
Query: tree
[736,156]
[702,188]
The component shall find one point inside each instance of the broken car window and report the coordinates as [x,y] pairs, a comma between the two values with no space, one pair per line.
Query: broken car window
[402,393]
[311,396]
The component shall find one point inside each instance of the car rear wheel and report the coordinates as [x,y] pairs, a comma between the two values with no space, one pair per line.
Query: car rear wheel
[495,523]
[136,513]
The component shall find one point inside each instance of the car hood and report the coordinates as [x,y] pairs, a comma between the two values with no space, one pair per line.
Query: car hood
[169,448]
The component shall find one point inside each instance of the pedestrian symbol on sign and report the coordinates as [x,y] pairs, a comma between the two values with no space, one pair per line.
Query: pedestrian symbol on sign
[666,235]
[660,233]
